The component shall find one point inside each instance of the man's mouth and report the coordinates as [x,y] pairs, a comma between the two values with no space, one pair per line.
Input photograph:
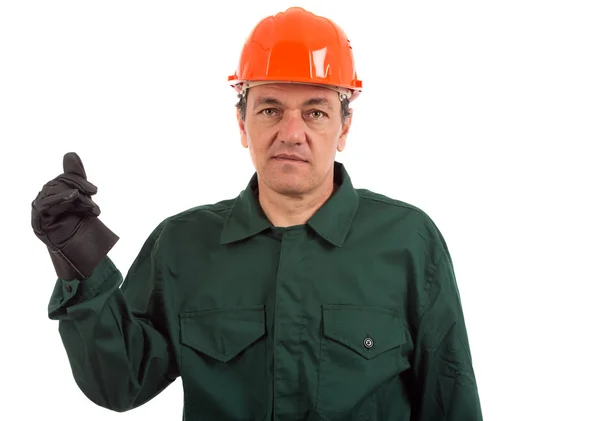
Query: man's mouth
[287,157]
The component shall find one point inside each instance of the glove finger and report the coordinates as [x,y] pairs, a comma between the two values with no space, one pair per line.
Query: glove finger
[86,205]
[52,187]
[36,219]
[76,182]
[72,165]
[56,203]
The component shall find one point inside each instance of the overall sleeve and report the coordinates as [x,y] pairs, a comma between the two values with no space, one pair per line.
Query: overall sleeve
[119,340]
[445,384]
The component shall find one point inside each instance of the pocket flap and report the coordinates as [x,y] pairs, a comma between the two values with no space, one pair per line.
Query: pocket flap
[367,330]
[222,333]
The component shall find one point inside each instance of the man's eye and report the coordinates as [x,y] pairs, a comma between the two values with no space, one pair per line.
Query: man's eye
[317,114]
[269,111]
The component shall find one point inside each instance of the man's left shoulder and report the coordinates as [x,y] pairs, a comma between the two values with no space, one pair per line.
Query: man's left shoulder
[371,201]
[379,199]
[401,218]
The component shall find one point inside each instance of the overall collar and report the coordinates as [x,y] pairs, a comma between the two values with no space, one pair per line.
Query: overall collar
[332,221]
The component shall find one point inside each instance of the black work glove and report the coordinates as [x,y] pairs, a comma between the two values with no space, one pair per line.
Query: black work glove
[65,218]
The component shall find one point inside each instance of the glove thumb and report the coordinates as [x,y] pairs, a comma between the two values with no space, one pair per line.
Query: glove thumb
[72,165]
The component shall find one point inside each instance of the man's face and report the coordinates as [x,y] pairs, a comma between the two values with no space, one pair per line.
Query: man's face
[293,132]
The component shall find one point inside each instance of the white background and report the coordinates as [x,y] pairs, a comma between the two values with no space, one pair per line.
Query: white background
[484,114]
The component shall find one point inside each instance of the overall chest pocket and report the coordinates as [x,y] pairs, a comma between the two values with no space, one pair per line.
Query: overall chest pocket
[223,359]
[361,349]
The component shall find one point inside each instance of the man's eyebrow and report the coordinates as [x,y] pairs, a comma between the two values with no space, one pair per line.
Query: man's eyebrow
[267,100]
[318,101]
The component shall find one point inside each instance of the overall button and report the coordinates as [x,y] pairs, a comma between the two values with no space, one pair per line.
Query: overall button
[368,343]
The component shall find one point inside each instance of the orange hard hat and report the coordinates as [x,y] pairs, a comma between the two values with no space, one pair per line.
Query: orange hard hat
[301,47]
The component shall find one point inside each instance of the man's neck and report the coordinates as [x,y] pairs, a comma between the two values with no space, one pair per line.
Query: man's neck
[285,211]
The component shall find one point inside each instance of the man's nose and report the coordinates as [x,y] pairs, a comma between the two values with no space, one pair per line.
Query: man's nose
[292,127]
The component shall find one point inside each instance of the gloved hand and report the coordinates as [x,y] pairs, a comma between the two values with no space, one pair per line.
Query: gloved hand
[65,218]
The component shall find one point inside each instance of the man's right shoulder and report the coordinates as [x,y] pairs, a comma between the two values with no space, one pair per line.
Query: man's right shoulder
[207,213]
[204,218]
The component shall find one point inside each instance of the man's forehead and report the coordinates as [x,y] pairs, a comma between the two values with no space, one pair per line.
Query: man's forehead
[286,92]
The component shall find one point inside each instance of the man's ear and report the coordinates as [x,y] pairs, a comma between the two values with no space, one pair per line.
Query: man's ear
[344,133]
[242,126]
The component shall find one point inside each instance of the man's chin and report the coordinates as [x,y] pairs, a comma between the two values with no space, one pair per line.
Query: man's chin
[286,184]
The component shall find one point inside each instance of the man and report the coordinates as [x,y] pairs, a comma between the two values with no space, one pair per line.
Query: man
[300,299]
